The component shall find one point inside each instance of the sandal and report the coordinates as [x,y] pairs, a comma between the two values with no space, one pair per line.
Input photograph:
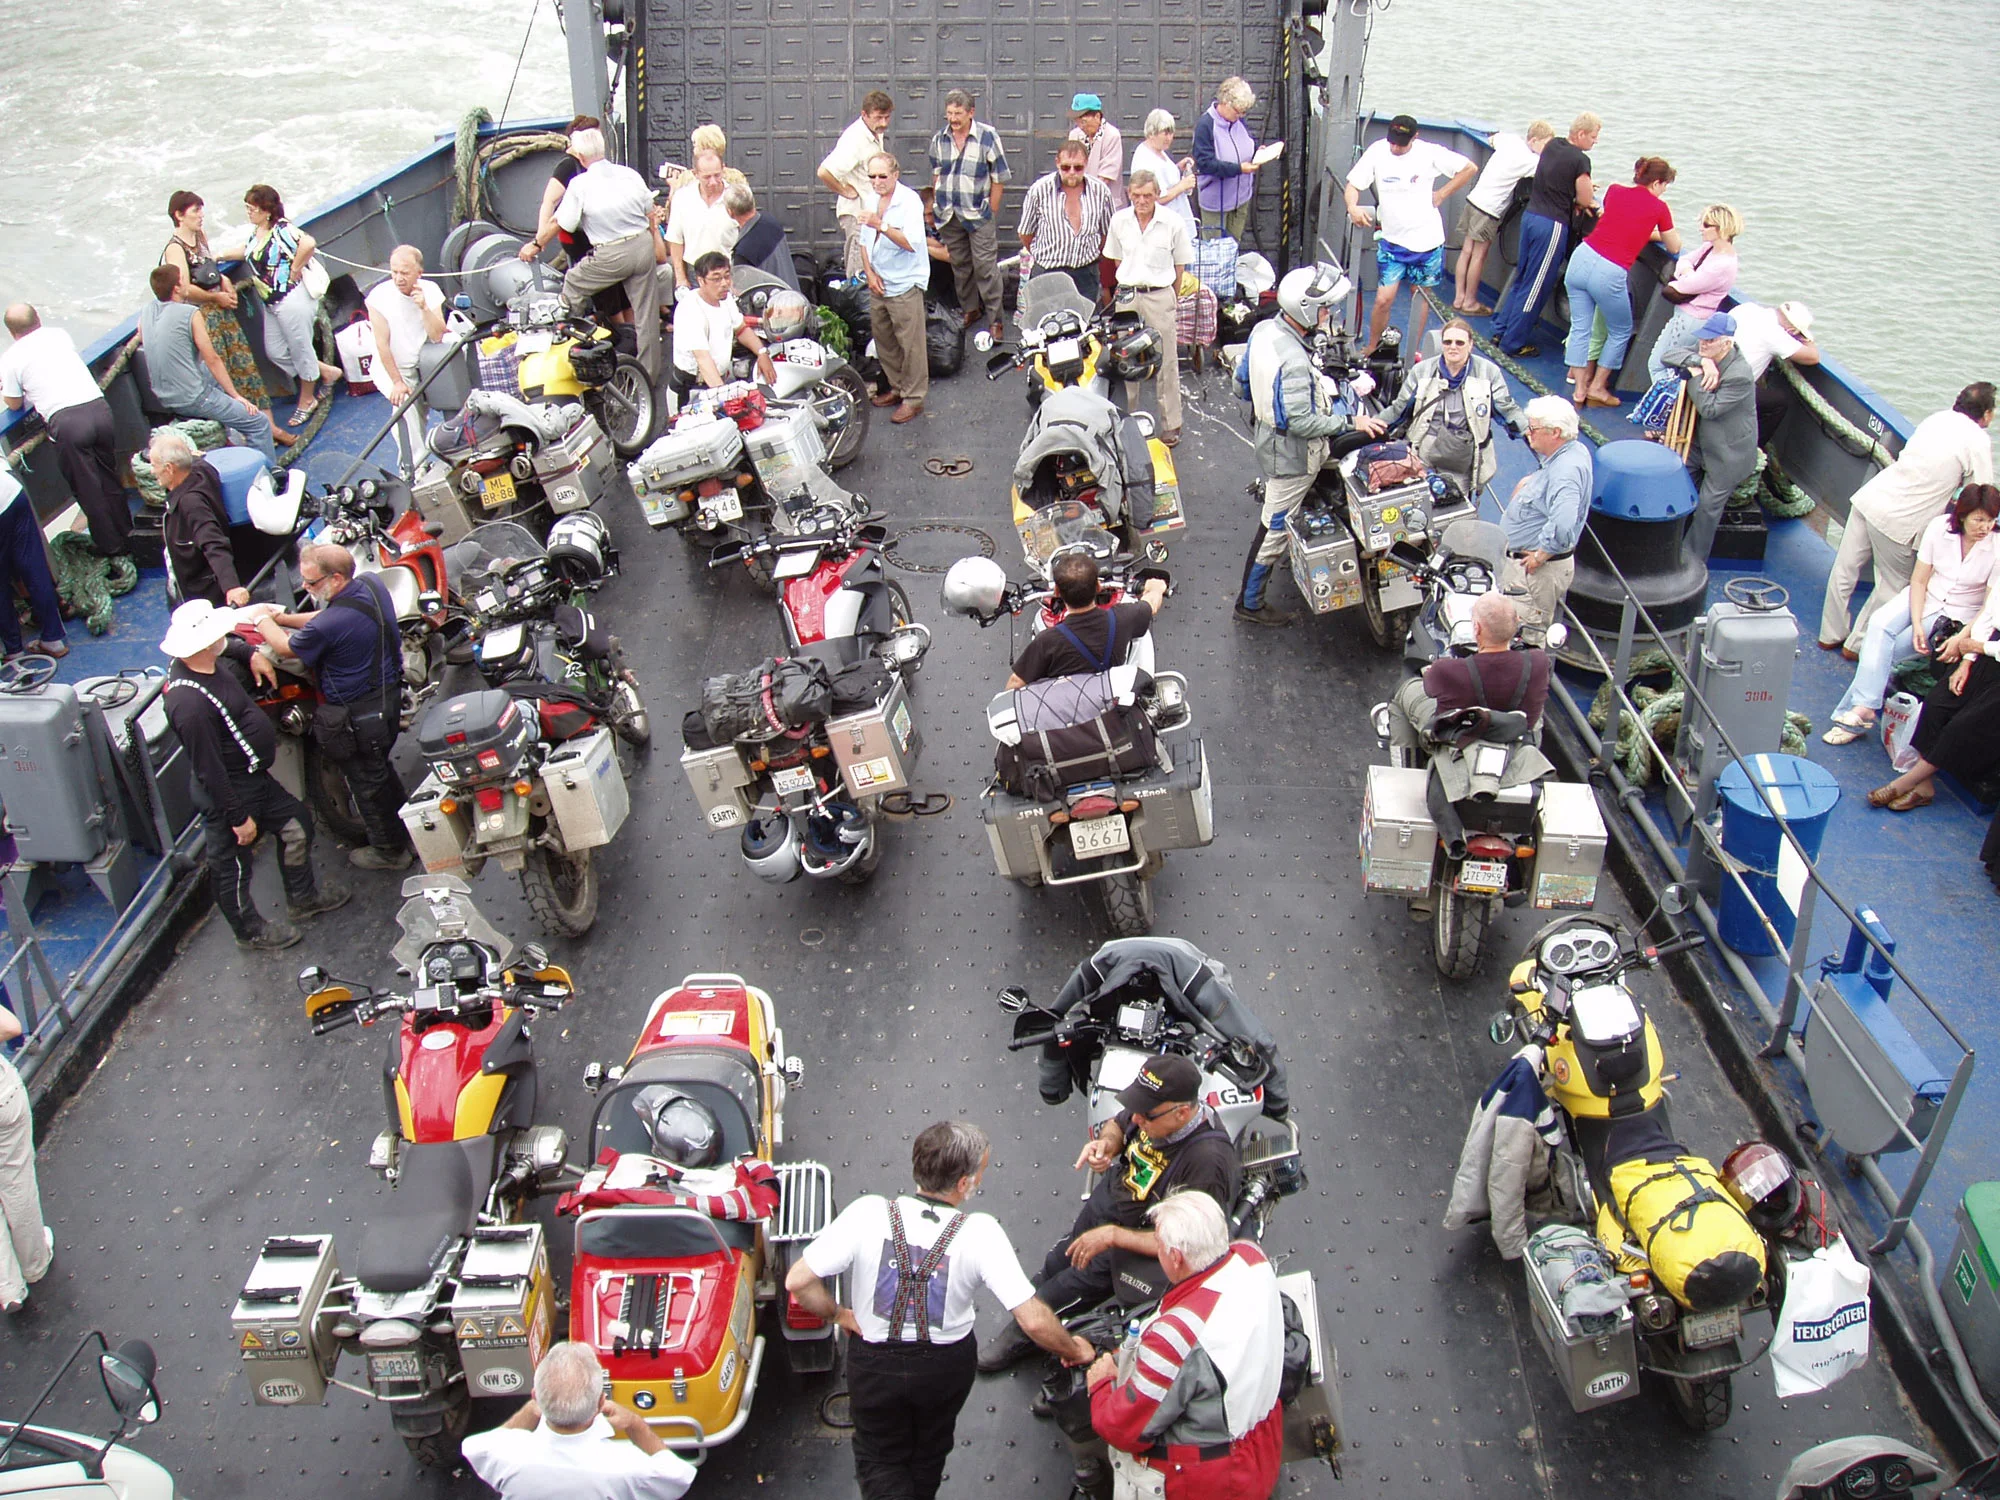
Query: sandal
[1882,796]
[1477,311]
[1846,729]
[1915,798]
[1597,400]
[1171,437]
[303,415]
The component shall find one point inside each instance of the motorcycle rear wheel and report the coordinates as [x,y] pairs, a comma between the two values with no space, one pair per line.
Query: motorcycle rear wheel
[840,406]
[627,408]
[331,798]
[1126,904]
[1459,927]
[1703,1404]
[629,718]
[440,1449]
[561,890]
[1387,628]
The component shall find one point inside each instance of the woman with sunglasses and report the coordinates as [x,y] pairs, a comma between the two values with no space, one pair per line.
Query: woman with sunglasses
[1451,401]
[1702,278]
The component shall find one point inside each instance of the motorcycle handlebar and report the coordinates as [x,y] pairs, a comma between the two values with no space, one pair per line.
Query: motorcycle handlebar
[345,1018]
[1681,944]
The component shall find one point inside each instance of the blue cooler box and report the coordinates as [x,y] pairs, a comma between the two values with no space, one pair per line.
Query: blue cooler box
[239,468]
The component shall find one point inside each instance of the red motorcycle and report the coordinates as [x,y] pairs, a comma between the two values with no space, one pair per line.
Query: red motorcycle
[836,600]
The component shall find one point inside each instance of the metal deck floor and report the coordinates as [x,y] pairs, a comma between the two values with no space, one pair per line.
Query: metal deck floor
[217,1119]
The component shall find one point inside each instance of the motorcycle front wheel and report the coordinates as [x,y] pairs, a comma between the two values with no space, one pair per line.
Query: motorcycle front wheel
[561,891]
[1458,931]
[627,408]
[1387,628]
[331,798]
[629,719]
[840,407]
[1703,1404]
[1125,903]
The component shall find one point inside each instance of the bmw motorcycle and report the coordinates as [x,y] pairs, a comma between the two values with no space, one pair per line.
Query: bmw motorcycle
[450,1295]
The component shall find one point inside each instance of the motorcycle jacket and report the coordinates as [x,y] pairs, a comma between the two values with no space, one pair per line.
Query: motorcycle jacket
[1293,404]
[1196,1397]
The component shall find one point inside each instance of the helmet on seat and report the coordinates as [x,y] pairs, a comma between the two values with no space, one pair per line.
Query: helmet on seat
[684,1131]
[786,315]
[1306,293]
[974,586]
[1765,1187]
[1132,351]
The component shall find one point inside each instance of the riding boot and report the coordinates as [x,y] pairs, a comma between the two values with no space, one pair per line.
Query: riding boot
[1250,603]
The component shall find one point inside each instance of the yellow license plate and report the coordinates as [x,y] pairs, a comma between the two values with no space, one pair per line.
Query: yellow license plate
[498,489]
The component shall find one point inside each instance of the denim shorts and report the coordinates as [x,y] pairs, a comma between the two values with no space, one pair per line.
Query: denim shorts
[1418,267]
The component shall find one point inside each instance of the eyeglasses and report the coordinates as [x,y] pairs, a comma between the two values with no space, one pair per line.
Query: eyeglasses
[311,583]
[1455,343]
[1066,171]
[1154,1116]
[880,176]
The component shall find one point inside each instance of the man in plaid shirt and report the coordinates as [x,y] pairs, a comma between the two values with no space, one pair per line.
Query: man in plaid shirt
[968,175]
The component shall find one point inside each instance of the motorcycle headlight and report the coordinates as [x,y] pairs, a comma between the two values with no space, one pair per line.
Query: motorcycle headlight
[390,1333]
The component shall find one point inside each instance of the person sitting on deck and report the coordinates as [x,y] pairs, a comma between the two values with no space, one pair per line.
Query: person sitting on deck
[188,377]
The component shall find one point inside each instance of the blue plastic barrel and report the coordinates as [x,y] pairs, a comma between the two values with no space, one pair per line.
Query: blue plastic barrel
[238,469]
[1806,795]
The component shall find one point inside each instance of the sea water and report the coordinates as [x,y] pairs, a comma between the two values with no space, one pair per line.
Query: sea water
[1857,139]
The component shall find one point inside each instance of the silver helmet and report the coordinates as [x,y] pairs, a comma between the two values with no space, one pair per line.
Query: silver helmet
[974,586]
[1306,293]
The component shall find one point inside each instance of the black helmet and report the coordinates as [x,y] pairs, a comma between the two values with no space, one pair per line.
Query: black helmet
[1765,1187]
[684,1131]
[1132,351]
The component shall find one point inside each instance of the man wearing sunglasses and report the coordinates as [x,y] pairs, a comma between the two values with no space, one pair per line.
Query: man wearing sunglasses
[899,267]
[1162,1141]
[1064,218]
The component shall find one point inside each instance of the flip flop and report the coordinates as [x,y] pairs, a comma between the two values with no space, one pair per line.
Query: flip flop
[1477,311]
[1602,401]
[1845,730]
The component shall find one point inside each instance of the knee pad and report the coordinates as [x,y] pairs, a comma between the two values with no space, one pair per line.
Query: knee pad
[294,842]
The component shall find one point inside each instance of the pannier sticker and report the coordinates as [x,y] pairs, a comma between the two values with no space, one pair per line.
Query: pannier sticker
[867,773]
[900,723]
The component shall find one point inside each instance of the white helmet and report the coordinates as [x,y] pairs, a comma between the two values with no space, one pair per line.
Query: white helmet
[974,586]
[275,512]
[1308,291]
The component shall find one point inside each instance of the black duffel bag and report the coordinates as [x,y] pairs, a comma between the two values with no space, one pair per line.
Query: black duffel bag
[861,684]
[944,335]
[781,694]
[1118,742]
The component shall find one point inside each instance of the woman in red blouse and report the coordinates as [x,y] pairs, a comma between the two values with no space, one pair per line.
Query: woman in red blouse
[1633,217]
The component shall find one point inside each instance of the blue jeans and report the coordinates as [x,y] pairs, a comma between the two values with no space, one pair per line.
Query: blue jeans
[1680,326]
[217,405]
[1596,285]
[1540,256]
[1888,639]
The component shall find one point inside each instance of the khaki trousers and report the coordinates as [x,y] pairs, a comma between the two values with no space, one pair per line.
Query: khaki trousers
[1160,311]
[628,263]
[1538,595]
[1862,546]
[898,326]
[853,254]
[24,1246]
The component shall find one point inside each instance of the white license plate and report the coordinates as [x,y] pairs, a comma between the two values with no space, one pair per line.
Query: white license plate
[1705,1330]
[395,1367]
[1485,875]
[724,507]
[1100,836]
[793,779]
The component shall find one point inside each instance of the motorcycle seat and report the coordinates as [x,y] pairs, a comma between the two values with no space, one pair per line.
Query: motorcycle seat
[835,651]
[436,1200]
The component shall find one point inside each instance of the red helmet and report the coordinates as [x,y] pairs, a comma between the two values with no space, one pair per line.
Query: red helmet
[1765,1187]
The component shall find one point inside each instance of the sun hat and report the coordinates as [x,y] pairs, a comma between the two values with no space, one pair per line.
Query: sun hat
[195,626]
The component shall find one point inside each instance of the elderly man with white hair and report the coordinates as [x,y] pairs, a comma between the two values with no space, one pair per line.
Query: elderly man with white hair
[1191,1408]
[405,313]
[1544,517]
[201,560]
[1495,676]
[563,1442]
[1724,391]
[613,206]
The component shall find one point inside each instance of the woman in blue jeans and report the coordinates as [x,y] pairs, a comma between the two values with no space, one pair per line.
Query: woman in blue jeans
[1633,218]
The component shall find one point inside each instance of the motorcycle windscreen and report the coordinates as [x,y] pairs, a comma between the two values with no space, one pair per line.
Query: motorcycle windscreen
[439,909]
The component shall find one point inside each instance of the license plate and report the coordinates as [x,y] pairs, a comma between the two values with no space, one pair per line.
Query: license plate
[1705,1330]
[793,779]
[724,507]
[497,489]
[1099,836]
[395,1366]
[1488,876]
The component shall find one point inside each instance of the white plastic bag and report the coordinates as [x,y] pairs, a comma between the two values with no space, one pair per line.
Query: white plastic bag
[1899,722]
[1823,1326]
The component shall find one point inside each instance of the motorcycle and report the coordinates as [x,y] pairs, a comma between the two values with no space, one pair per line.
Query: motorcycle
[1139,997]
[565,358]
[835,597]
[808,371]
[1080,448]
[1677,1254]
[1098,803]
[1852,1468]
[673,1259]
[450,1295]
[1477,821]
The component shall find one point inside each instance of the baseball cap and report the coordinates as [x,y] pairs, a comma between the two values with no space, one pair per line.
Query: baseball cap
[1720,325]
[1798,315]
[1403,129]
[1166,1078]
[1084,104]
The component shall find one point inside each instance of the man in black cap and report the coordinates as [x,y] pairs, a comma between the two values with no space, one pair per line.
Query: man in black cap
[1162,1141]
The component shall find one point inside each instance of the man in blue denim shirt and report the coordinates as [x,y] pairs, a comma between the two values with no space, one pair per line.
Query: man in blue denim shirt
[968,175]
[1545,516]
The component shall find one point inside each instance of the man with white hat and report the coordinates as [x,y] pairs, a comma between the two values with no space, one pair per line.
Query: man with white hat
[1765,335]
[231,744]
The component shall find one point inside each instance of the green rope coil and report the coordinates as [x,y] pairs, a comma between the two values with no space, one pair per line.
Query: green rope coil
[465,164]
[87,580]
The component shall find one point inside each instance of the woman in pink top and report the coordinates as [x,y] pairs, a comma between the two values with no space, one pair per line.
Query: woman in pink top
[1955,565]
[1633,217]
[1703,277]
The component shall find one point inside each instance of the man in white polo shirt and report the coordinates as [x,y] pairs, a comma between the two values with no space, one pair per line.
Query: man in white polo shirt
[42,369]
[1149,250]
[405,313]
[614,208]
[698,217]
[563,1443]
[844,173]
[707,324]
[912,1264]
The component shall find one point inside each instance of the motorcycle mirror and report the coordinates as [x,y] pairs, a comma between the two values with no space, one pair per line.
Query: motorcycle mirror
[311,978]
[1014,999]
[1556,636]
[1379,717]
[534,957]
[1409,556]
[1676,899]
[1502,1028]
[128,1380]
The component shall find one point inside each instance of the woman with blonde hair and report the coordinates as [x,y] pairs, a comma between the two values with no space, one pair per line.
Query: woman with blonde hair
[1702,278]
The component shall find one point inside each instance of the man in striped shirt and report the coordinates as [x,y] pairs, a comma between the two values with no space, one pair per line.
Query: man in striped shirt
[1191,1409]
[1064,217]
[968,175]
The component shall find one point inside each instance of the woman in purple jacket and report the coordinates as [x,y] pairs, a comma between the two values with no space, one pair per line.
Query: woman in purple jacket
[1226,176]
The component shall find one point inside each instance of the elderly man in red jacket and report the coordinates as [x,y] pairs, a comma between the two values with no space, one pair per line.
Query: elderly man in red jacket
[1191,1409]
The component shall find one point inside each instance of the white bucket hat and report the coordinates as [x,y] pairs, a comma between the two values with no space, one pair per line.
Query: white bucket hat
[195,626]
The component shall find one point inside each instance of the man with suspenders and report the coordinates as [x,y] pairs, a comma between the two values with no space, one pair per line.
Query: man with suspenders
[1089,639]
[913,1263]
